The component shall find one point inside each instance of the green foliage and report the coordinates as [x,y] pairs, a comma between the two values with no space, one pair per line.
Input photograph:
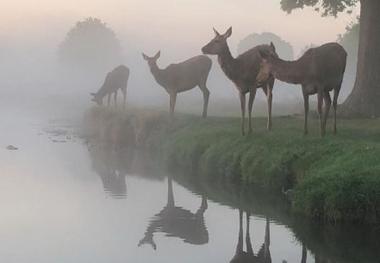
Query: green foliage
[335,178]
[326,7]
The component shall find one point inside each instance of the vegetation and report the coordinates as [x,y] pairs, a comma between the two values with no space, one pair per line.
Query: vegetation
[365,96]
[91,45]
[334,179]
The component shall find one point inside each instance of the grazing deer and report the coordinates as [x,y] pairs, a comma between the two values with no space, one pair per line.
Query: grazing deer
[319,71]
[115,80]
[182,77]
[242,71]
[178,222]
[241,256]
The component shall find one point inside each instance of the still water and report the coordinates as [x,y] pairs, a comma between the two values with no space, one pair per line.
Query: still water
[65,200]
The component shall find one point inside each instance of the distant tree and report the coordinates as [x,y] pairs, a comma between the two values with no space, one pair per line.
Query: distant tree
[283,48]
[90,45]
[364,99]
[306,48]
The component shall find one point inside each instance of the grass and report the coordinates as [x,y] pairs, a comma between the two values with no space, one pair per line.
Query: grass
[336,178]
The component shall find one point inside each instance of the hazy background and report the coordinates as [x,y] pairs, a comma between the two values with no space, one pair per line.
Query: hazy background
[31,32]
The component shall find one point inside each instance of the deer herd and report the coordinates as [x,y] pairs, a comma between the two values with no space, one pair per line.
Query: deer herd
[319,70]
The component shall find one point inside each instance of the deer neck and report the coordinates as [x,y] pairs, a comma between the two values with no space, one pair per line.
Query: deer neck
[288,71]
[227,63]
[159,75]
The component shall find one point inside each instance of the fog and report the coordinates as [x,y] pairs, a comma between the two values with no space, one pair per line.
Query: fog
[31,75]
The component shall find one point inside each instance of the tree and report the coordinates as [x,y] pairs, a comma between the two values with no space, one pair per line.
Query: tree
[90,45]
[283,48]
[350,41]
[364,99]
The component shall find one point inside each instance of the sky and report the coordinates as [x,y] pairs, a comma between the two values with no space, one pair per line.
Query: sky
[167,24]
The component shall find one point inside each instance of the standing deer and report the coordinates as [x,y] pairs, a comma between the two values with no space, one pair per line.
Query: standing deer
[115,80]
[182,77]
[319,71]
[242,71]
[241,256]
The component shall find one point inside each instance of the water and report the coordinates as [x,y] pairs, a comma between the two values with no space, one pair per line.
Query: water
[64,200]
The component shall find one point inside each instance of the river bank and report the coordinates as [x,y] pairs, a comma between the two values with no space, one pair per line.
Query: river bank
[336,178]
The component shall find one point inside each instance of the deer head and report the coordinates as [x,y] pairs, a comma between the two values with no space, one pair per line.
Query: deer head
[266,65]
[218,44]
[152,61]
[97,98]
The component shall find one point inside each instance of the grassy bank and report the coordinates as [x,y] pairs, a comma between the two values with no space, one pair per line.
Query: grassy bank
[336,178]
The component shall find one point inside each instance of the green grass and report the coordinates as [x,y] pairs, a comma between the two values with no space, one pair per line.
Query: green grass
[336,178]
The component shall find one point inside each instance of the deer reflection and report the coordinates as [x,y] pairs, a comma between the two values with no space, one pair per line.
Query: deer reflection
[241,256]
[178,222]
[112,168]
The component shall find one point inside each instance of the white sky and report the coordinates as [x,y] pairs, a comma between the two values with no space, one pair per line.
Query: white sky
[167,24]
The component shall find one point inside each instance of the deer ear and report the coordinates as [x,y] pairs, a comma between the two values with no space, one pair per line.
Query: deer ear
[228,33]
[145,56]
[216,32]
[272,46]
[157,55]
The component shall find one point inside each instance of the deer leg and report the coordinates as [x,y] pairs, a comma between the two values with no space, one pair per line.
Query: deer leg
[173,98]
[115,98]
[242,106]
[247,236]
[327,99]
[252,95]
[269,100]
[304,254]
[124,91]
[239,247]
[335,106]
[306,113]
[109,99]
[320,104]
[206,95]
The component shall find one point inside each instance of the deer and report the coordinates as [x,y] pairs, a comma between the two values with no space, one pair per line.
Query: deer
[115,80]
[176,221]
[319,71]
[242,71]
[241,256]
[181,77]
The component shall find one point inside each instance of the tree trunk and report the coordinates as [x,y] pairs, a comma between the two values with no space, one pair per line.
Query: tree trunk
[364,100]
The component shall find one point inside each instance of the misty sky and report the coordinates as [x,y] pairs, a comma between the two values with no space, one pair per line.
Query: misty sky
[166,24]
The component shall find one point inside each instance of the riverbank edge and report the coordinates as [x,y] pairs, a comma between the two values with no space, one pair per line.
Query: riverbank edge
[335,179]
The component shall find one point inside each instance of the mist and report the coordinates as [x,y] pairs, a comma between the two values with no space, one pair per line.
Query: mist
[32,76]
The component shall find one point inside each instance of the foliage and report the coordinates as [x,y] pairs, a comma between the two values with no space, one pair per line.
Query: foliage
[90,44]
[326,7]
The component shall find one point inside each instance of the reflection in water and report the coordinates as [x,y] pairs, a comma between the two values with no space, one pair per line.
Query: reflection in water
[241,256]
[112,167]
[178,222]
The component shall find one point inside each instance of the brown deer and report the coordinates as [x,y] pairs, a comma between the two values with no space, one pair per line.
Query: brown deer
[115,80]
[176,221]
[319,71]
[242,71]
[241,256]
[182,77]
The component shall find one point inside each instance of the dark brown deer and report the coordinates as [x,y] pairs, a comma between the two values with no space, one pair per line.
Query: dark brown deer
[182,77]
[176,221]
[241,256]
[242,71]
[319,71]
[115,80]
